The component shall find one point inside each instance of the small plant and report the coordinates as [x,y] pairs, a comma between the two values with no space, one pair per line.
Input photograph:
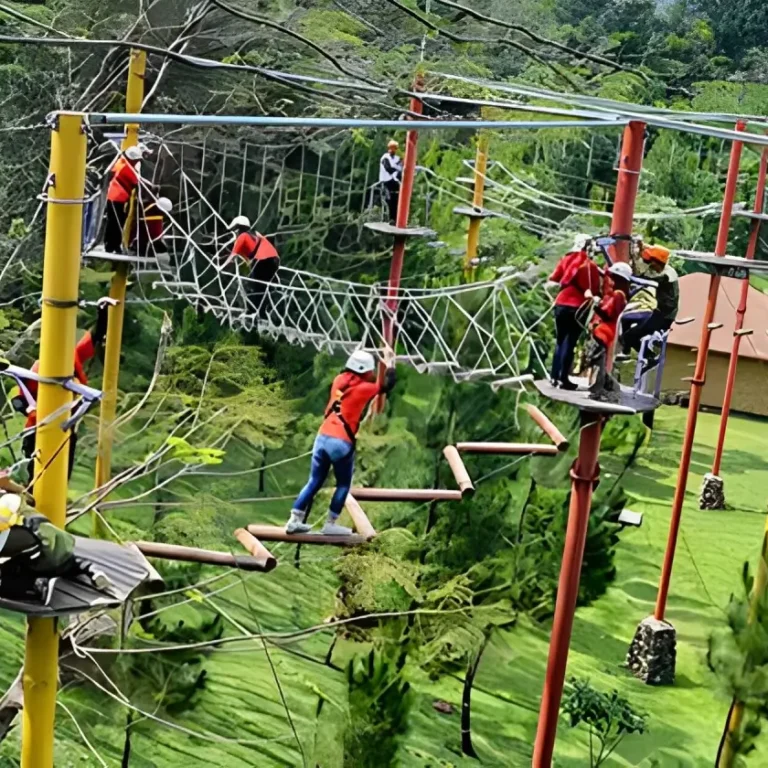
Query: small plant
[609,717]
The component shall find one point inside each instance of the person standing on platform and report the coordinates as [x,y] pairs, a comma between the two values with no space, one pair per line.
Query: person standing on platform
[149,227]
[351,392]
[124,180]
[258,251]
[607,313]
[656,258]
[579,281]
[390,177]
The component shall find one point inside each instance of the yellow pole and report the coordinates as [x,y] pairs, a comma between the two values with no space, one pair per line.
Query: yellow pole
[736,715]
[61,274]
[473,235]
[133,101]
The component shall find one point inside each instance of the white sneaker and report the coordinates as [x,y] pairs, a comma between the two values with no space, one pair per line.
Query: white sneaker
[331,529]
[297,525]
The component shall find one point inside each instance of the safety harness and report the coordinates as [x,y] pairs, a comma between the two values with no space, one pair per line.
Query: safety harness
[335,409]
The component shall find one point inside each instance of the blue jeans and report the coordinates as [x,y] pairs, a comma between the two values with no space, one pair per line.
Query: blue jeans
[328,452]
[568,330]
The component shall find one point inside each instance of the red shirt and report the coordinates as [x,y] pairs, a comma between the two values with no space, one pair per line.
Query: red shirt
[84,351]
[149,227]
[355,394]
[124,180]
[608,312]
[255,247]
[576,273]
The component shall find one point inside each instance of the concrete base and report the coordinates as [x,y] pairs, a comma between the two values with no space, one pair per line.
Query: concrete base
[653,652]
[712,494]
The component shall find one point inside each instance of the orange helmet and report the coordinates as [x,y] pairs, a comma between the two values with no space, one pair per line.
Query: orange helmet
[657,253]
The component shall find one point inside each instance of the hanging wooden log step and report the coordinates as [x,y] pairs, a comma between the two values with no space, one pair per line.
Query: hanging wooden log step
[207,556]
[460,473]
[255,548]
[277,533]
[405,494]
[538,449]
[548,427]
[359,518]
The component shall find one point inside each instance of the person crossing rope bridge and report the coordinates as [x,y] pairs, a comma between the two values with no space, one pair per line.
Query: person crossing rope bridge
[262,255]
[351,393]
[24,396]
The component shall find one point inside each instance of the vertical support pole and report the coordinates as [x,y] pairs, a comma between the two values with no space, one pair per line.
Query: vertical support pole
[736,714]
[740,312]
[61,275]
[584,474]
[403,211]
[133,101]
[473,233]
[630,165]
[699,377]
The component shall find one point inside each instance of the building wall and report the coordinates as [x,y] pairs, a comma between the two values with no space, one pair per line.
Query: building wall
[750,395]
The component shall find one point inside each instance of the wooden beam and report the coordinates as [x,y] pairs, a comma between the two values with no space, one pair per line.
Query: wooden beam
[460,473]
[359,518]
[405,494]
[194,555]
[548,427]
[277,533]
[255,548]
[504,448]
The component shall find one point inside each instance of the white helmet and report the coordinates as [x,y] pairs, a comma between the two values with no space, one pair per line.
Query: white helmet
[133,153]
[164,204]
[580,242]
[621,269]
[361,362]
[240,221]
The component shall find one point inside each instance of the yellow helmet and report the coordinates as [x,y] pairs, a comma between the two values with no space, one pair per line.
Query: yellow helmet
[10,511]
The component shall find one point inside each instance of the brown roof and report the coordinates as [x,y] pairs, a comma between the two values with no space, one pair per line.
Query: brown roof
[693,299]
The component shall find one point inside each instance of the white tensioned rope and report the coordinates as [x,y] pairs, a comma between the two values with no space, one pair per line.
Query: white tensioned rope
[467,331]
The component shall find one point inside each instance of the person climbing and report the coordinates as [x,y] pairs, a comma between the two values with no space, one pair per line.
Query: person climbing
[123,181]
[607,313]
[149,226]
[579,280]
[263,257]
[25,401]
[351,392]
[390,177]
[656,259]
[38,553]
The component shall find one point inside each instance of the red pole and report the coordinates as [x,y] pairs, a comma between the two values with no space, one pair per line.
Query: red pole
[630,165]
[584,473]
[740,312]
[699,375]
[403,210]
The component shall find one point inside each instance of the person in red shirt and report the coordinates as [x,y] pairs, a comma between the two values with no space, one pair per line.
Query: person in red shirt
[579,280]
[262,256]
[351,392]
[123,181]
[25,402]
[149,226]
[607,314]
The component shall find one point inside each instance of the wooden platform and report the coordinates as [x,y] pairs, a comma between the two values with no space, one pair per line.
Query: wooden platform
[725,266]
[100,254]
[277,533]
[384,228]
[628,402]
[477,213]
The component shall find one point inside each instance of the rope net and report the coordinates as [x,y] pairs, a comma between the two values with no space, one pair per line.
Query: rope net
[469,332]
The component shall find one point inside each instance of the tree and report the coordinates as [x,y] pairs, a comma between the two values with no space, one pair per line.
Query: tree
[609,717]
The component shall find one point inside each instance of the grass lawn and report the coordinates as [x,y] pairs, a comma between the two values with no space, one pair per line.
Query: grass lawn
[685,721]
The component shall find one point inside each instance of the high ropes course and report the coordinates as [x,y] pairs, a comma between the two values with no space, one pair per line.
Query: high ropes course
[470,331]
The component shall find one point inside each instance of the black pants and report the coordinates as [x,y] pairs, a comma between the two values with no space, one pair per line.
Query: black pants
[28,449]
[393,198]
[632,338]
[264,271]
[117,215]
[568,331]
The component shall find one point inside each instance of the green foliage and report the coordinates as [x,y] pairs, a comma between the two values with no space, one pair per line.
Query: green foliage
[609,717]
[188,454]
[379,702]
